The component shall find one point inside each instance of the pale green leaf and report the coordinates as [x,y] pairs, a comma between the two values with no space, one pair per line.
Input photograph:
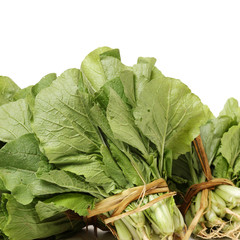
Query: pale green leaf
[128,82]
[142,72]
[170,115]
[23,93]
[61,118]
[92,69]
[231,109]
[30,92]
[77,202]
[7,90]
[211,134]
[89,166]
[14,120]
[121,121]
[112,65]
[68,180]
[43,83]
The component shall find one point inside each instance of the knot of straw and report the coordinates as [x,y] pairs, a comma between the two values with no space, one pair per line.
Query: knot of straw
[204,187]
[118,203]
[196,188]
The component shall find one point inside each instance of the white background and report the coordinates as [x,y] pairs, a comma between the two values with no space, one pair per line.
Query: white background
[195,41]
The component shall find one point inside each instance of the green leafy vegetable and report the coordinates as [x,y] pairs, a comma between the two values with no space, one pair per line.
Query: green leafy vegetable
[61,117]
[92,69]
[20,160]
[169,115]
[75,201]
[231,109]
[220,138]
[122,123]
[7,90]
[71,141]
[14,120]
[23,222]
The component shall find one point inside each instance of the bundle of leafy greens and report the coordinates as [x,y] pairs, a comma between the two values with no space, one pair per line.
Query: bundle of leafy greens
[71,141]
[24,214]
[221,138]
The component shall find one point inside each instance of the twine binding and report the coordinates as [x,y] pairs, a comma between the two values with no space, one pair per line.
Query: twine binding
[118,203]
[210,184]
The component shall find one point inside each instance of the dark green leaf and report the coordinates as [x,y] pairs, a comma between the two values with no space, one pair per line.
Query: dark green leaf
[24,224]
[221,167]
[19,162]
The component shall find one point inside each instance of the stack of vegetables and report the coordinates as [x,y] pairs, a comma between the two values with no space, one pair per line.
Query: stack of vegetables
[102,141]
[220,207]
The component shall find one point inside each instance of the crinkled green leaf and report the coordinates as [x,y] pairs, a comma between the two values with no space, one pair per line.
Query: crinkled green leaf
[24,224]
[92,69]
[14,120]
[89,166]
[122,123]
[68,180]
[77,202]
[170,115]
[19,162]
[61,118]
[7,90]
